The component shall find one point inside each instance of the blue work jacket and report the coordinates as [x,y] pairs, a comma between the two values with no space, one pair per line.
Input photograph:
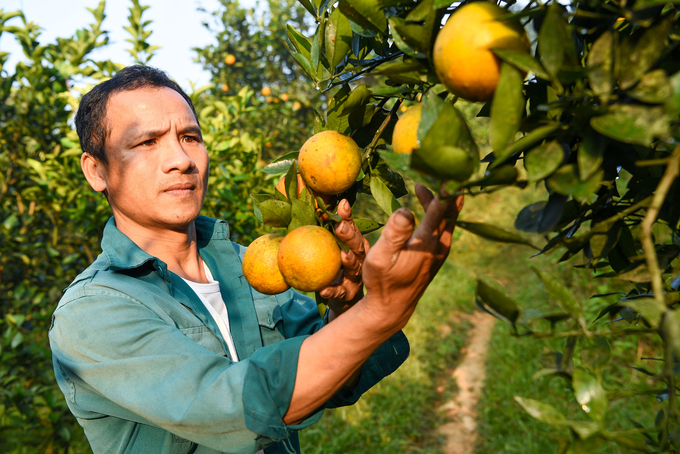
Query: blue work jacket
[144,368]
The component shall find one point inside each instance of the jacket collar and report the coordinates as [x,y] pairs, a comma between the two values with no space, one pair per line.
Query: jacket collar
[124,254]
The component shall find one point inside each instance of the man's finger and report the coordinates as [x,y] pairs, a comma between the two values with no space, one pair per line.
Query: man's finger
[351,266]
[439,218]
[348,232]
[424,196]
[395,236]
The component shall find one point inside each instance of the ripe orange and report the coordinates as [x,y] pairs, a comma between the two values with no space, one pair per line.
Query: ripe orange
[266,91]
[405,135]
[260,265]
[329,162]
[309,258]
[296,105]
[230,59]
[284,97]
[462,57]
[225,87]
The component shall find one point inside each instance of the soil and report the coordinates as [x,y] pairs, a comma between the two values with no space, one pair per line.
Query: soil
[461,430]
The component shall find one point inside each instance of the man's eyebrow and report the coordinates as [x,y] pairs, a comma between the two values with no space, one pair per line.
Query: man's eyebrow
[192,129]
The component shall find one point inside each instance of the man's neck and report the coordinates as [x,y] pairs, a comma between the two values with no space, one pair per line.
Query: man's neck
[177,248]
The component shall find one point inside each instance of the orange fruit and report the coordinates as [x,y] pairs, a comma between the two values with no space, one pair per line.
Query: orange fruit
[405,134]
[296,105]
[230,59]
[309,258]
[462,56]
[284,97]
[329,162]
[260,265]
[225,87]
[266,91]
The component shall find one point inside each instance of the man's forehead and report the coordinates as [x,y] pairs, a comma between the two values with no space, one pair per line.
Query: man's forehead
[147,100]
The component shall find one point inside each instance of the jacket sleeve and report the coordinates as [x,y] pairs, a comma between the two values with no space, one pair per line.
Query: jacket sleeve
[119,356]
[301,317]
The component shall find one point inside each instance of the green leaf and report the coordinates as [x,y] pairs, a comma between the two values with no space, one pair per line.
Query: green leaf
[338,40]
[631,123]
[367,226]
[335,120]
[590,154]
[541,411]
[281,164]
[366,13]
[627,440]
[543,160]
[17,340]
[603,238]
[566,181]
[649,308]
[507,108]
[673,102]
[491,296]
[523,61]
[601,64]
[272,212]
[590,394]
[383,196]
[10,221]
[357,99]
[526,142]
[493,233]
[653,88]
[563,296]
[402,164]
[302,213]
[554,40]
[640,56]
[309,6]
[499,176]
[447,149]
[595,354]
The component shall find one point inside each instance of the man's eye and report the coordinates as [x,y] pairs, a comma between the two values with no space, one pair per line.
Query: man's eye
[190,139]
[148,143]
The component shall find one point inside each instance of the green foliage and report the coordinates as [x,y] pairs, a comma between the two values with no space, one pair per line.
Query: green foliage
[595,122]
[51,220]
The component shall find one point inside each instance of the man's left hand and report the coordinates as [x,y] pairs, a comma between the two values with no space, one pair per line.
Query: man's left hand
[348,288]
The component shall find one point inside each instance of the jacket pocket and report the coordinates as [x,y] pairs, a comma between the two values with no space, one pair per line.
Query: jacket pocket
[205,338]
[269,318]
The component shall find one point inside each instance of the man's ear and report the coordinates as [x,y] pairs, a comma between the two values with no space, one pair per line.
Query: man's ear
[94,171]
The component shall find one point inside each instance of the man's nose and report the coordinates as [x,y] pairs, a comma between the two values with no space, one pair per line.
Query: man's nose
[176,158]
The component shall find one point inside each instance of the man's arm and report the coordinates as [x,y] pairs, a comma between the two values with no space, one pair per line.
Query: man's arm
[396,272]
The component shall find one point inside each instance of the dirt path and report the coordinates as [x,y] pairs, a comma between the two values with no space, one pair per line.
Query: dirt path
[470,375]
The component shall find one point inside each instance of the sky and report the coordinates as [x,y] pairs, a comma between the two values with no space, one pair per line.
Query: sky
[177,27]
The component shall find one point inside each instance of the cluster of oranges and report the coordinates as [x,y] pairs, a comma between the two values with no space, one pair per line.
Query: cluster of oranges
[308,257]
[464,61]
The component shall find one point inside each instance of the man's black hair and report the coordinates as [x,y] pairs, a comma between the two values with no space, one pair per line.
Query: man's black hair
[91,115]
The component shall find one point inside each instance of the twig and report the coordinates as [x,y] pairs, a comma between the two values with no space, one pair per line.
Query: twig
[662,189]
[382,127]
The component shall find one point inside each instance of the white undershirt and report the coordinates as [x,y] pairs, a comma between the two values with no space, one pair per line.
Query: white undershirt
[211,297]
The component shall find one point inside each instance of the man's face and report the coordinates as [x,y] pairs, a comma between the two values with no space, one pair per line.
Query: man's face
[157,171]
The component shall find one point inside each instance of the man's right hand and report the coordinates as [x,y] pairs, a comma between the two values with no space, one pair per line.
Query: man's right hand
[402,263]
[396,272]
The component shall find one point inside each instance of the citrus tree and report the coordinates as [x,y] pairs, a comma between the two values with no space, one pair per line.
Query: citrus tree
[583,99]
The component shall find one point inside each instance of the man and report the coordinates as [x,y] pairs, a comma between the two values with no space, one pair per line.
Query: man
[162,346]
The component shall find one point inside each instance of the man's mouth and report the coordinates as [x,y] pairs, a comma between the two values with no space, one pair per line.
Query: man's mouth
[180,189]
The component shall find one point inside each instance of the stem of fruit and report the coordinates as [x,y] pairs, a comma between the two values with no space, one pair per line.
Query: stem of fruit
[371,146]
